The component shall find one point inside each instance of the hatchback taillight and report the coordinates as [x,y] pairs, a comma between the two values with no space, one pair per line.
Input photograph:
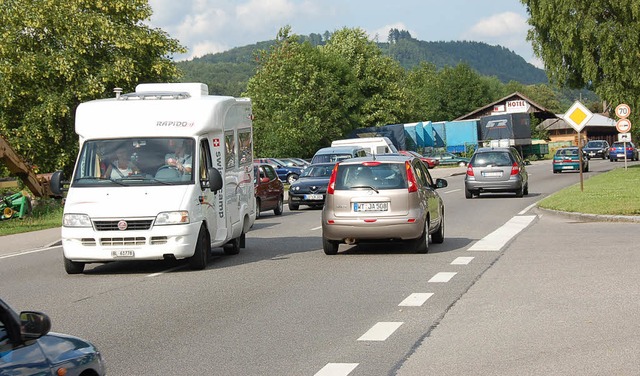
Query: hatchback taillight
[515,169]
[411,179]
[470,170]
[332,180]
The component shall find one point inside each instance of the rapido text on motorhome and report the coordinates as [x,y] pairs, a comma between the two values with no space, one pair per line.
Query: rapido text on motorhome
[163,173]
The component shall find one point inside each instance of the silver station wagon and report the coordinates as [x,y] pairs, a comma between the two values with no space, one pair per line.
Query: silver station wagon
[382,198]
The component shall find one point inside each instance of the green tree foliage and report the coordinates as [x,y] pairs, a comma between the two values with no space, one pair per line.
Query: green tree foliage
[302,98]
[592,44]
[55,54]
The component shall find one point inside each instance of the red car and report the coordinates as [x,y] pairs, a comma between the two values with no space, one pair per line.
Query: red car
[269,190]
[431,163]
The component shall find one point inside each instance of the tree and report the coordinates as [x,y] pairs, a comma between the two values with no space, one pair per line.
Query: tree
[593,44]
[459,90]
[55,54]
[302,98]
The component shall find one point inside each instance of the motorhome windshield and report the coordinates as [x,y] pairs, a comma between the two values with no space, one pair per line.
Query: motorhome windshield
[135,161]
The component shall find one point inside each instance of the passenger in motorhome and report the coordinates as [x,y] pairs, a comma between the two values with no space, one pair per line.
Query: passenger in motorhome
[121,166]
[180,158]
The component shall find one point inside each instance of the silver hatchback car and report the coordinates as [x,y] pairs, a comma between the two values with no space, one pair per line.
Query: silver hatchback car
[496,170]
[382,198]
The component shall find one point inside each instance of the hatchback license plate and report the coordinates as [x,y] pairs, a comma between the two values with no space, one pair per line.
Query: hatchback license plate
[123,253]
[370,206]
[313,197]
[492,174]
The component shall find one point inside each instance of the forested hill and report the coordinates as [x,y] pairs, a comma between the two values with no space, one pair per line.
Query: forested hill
[228,72]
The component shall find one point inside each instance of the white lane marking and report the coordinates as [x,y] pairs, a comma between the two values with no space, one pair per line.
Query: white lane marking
[28,252]
[442,277]
[337,369]
[316,228]
[452,191]
[166,271]
[416,299]
[497,239]
[527,208]
[380,331]
[462,261]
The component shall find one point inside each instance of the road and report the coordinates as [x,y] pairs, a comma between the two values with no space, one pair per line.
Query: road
[559,296]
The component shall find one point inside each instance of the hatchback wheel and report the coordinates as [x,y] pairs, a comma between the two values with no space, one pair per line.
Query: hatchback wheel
[258,209]
[330,247]
[422,243]
[467,193]
[278,209]
[438,236]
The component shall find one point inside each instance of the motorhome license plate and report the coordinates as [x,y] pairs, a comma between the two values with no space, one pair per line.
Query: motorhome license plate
[370,206]
[313,197]
[123,253]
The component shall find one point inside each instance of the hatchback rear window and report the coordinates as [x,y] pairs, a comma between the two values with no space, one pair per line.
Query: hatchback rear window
[491,159]
[378,176]
[324,158]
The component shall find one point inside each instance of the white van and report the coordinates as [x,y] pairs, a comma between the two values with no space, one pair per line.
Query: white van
[165,172]
[373,145]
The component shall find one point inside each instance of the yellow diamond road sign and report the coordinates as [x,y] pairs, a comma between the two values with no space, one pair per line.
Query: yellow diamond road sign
[577,116]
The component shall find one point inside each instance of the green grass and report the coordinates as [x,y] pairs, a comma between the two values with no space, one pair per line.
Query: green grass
[46,213]
[616,192]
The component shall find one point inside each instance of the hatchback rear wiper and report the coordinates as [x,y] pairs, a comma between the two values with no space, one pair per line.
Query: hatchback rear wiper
[365,186]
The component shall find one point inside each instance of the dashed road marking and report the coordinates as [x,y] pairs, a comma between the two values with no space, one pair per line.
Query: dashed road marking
[416,299]
[497,239]
[316,228]
[380,331]
[337,369]
[442,277]
[461,261]
[452,191]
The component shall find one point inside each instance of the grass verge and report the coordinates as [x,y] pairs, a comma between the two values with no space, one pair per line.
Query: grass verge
[46,213]
[611,193]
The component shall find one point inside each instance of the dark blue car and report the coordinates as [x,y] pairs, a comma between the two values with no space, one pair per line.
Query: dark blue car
[619,149]
[285,173]
[28,348]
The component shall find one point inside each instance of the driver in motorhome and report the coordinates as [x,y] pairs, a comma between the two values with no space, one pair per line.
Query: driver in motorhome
[180,159]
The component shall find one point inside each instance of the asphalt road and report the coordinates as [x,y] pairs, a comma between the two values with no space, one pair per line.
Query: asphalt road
[557,296]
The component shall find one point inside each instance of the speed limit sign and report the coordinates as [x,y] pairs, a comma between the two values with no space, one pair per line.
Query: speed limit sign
[623,111]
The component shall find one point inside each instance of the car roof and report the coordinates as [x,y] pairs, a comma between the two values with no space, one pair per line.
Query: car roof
[485,150]
[338,149]
[397,158]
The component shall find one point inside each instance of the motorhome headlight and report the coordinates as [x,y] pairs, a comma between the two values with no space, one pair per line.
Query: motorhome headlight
[172,218]
[76,220]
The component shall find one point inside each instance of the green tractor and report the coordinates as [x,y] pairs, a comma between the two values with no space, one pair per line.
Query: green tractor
[16,205]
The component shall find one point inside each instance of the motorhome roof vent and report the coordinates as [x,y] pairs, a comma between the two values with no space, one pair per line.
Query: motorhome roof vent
[155,95]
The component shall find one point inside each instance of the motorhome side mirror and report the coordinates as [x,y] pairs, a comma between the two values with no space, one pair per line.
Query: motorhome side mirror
[215,180]
[55,184]
[34,325]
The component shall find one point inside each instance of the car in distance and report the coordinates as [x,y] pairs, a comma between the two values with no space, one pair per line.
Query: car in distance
[568,159]
[268,188]
[618,150]
[596,149]
[382,198]
[338,153]
[285,173]
[430,162]
[311,187]
[27,347]
[448,159]
[496,170]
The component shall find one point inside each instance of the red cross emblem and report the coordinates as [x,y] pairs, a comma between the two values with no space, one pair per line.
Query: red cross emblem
[216,142]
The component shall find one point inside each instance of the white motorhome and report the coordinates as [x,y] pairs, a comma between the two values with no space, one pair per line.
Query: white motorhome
[165,172]
[373,145]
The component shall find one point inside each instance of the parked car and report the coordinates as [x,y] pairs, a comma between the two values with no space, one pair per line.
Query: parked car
[386,198]
[311,187]
[618,151]
[568,159]
[596,149]
[448,159]
[27,347]
[338,153]
[269,190]
[285,173]
[300,162]
[430,162]
[496,170]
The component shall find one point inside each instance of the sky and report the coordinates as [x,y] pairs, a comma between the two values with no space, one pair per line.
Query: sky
[211,26]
